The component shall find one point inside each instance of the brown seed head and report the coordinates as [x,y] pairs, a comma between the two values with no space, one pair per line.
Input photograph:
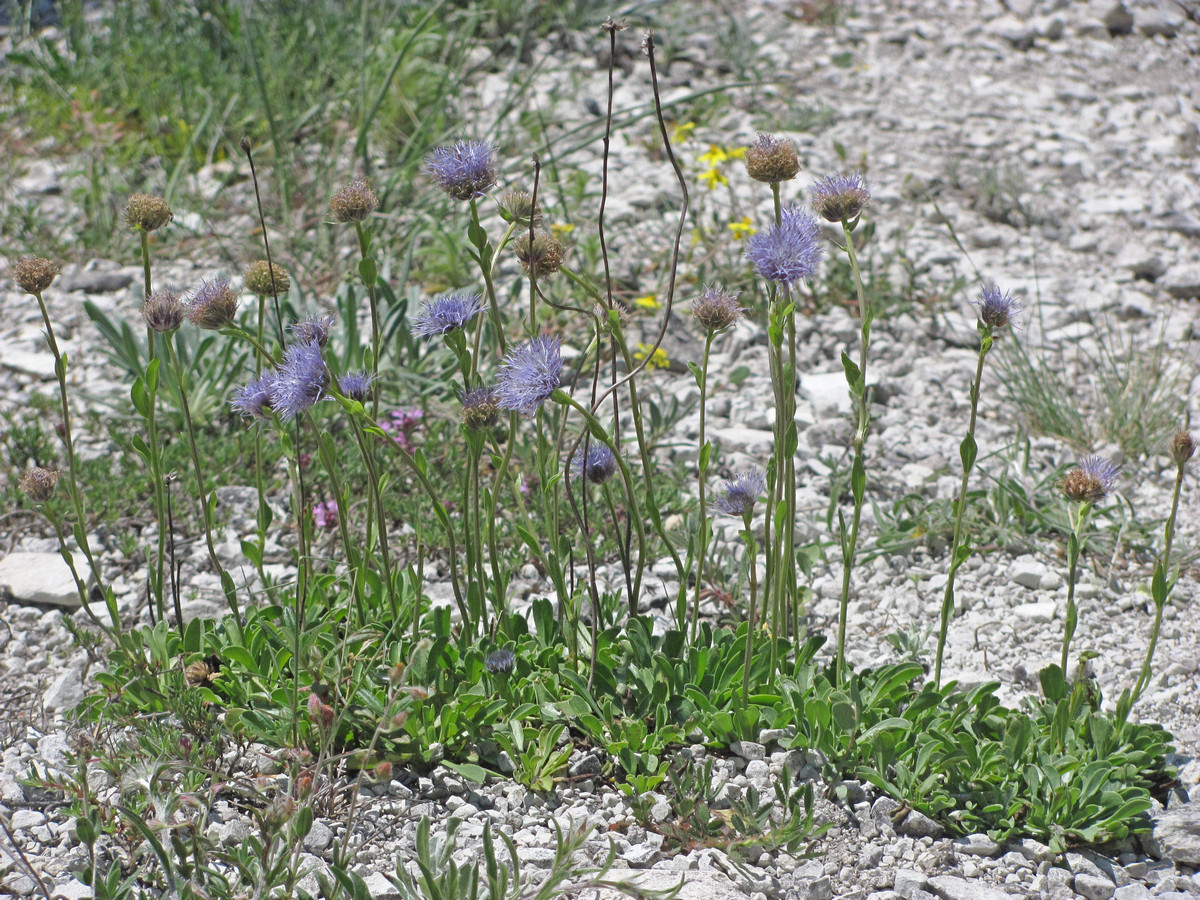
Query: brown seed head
[38,483]
[1182,447]
[1090,481]
[354,202]
[544,255]
[480,407]
[258,279]
[145,212]
[34,274]
[772,160]
[163,311]
[716,308]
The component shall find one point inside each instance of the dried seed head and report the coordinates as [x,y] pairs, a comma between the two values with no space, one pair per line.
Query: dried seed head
[518,206]
[203,671]
[1182,447]
[840,198]
[1090,481]
[214,305]
[259,281]
[34,274]
[145,212]
[772,160]
[163,311]
[544,255]
[354,202]
[38,483]
[716,308]
[481,407]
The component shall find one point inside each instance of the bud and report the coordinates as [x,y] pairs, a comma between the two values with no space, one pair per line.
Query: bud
[544,255]
[480,407]
[38,483]
[259,279]
[354,202]
[1182,447]
[214,305]
[144,212]
[716,308]
[840,198]
[163,311]
[319,711]
[34,274]
[517,206]
[772,160]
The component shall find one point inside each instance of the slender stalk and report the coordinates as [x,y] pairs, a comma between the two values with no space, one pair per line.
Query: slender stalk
[752,552]
[1074,550]
[967,452]
[705,451]
[364,254]
[858,474]
[1161,585]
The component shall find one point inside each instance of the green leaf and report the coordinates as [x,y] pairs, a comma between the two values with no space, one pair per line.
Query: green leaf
[705,453]
[1158,585]
[853,374]
[368,271]
[140,398]
[469,771]
[858,479]
[695,369]
[966,452]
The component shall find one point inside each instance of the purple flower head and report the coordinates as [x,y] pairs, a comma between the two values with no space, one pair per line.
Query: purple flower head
[1090,481]
[840,198]
[214,305]
[464,170]
[788,252]
[356,385]
[447,313]
[301,381]
[597,466]
[253,400]
[314,328]
[530,374]
[996,308]
[740,494]
[500,662]
[480,406]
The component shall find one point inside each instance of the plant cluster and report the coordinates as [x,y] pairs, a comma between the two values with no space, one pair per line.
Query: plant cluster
[548,461]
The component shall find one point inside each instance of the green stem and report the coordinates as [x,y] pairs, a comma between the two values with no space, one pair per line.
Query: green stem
[752,550]
[486,269]
[1074,550]
[960,509]
[373,482]
[703,476]
[1164,566]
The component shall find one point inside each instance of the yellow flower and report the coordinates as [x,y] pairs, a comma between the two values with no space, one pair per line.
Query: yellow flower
[742,228]
[680,132]
[647,302]
[713,177]
[737,152]
[713,158]
[561,228]
[657,360]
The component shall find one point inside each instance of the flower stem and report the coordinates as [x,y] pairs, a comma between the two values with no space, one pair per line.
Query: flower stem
[1074,549]
[705,451]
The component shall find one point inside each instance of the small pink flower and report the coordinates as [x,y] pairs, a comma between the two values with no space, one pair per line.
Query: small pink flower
[326,514]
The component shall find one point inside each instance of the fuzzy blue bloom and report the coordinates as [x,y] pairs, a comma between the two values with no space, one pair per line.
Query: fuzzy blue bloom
[253,400]
[500,662]
[740,494]
[464,170]
[314,328]
[840,198]
[530,374]
[996,308]
[300,381]
[788,252]
[447,313]
[356,385]
[597,466]
[214,305]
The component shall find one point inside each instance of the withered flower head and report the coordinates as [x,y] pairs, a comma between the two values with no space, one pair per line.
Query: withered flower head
[716,308]
[1090,481]
[38,483]
[34,274]
[480,407]
[1182,447]
[771,159]
[544,255]
[163,311]
[259,281]
[353,202]
[203,671]
[214,305]
[145,212]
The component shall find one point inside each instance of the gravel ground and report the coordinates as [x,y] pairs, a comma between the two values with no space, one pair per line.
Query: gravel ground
[1090,110]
